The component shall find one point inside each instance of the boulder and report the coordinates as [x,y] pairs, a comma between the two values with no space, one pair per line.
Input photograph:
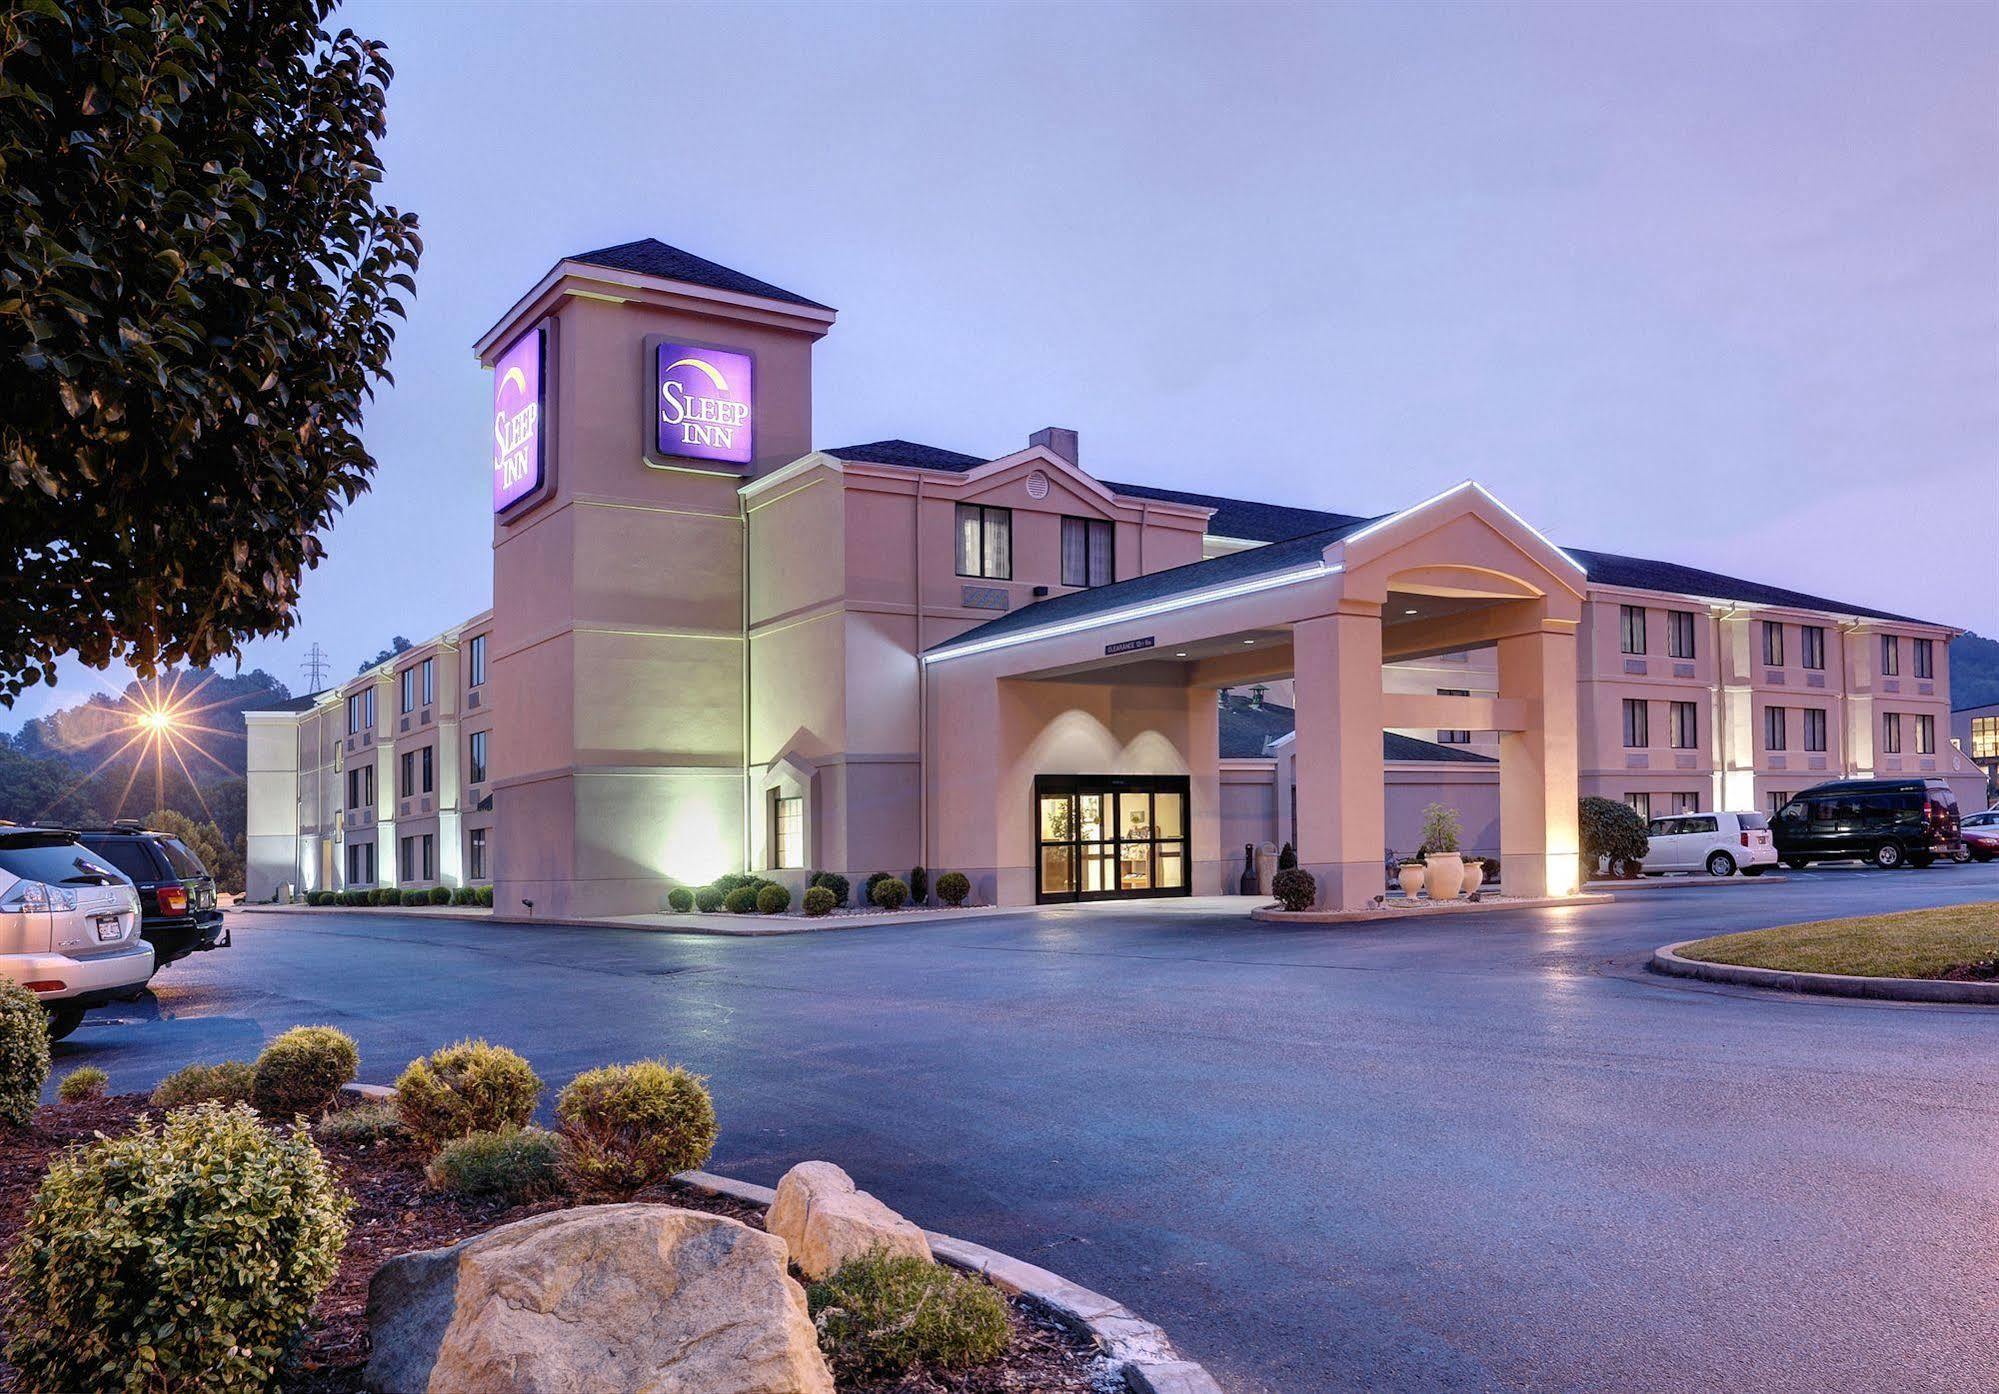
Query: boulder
[649,1299]
[826,1221]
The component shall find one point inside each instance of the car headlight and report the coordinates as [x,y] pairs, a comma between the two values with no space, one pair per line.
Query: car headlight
[38,896]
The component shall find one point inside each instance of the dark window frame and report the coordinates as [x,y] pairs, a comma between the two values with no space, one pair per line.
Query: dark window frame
[1811,642]
[1925,656]
[1891,656]
[1631,629]
[1680,634]
[1683,725]
[1637,723]
[476,769]
[984,571]
[1776,729]
[1891,733]
[1773,643]
[1093,530]
[1814,729]
[475,660]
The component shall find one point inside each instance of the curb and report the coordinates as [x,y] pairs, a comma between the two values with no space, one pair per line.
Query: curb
[1668,960]
[1270,914]
[1685,881]
[716,926]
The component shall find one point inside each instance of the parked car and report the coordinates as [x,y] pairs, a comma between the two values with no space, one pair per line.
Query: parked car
[176,893]
[1720,844]
[69,925]
[1981,835]
[1890,822]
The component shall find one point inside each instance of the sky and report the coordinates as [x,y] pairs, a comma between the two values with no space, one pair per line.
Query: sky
[1708,283]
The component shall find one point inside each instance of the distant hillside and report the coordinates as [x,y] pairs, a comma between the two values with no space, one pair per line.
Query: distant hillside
[1974,671]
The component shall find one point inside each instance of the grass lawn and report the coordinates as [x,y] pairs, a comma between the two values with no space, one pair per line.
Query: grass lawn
[1907,944]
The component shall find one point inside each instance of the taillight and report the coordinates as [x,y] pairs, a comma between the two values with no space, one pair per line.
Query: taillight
[1745,839]
[173,900]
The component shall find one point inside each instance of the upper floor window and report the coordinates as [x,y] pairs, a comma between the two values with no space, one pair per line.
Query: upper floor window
[985,542]
[427,760]
[1089,550]
[1891,655]
[1679,633]
[429,681]
[1812,640]
[1688,802]
[475,661]
[407,678]
[1773,728]
[406,775]
[475,758]
[475,854]
[1925,658]
[1926,733]
[1773,643]
[1637,723]
[1891,733]
[1631,628]
[1641,803]
[361,710]
[1985,737]
[1815,728]
[1686,732]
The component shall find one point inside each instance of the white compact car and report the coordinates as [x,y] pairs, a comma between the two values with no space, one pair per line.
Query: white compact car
[69,925]
[1720,844]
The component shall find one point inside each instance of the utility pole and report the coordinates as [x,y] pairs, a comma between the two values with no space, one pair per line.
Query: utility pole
[315,668]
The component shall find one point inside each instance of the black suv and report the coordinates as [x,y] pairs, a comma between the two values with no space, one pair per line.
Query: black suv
[1890,822]
[178,915]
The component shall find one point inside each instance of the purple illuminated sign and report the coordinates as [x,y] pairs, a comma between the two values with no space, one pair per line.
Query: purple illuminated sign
[519,454]
[703,403]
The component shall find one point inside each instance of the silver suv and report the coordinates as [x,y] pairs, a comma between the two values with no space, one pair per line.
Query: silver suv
[69,925]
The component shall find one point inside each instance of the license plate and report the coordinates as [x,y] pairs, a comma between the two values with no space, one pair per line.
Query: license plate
[108,928]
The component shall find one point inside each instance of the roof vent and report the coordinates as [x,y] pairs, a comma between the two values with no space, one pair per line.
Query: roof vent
[1057,440]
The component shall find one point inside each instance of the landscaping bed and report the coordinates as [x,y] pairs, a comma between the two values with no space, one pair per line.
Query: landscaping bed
[398,1212]
[1957,943]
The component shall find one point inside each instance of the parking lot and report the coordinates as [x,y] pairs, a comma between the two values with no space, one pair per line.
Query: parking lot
[1487,1153]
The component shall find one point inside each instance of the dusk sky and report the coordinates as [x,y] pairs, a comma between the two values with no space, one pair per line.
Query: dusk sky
[1715,284]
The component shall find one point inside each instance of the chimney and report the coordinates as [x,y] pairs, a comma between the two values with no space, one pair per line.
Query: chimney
[1059,440]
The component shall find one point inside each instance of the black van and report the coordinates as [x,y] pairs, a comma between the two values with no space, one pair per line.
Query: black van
[1890,822]
[176,893]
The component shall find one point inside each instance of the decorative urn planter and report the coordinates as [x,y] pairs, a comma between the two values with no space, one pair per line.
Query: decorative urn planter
[1443,873]
[1474,875]
[1411,877]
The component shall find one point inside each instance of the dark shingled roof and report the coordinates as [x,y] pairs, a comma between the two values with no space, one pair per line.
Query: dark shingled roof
[908,455]
[1253,522]
[1247,732]
[295,704]
[651,257]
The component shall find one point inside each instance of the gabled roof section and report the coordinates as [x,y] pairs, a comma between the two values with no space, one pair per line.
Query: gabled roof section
[1253,522]
[651,257]
[293,704]
[906,454]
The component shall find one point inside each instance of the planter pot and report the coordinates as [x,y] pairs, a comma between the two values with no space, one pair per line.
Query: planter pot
[1474,875]
[1411,878]
[1443,873]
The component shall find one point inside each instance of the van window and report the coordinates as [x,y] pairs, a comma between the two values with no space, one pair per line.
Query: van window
[1698,825]
[184,862]
[128,854]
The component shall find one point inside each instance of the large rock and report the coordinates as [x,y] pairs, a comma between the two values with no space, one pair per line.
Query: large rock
[603,1299]
[826,1221]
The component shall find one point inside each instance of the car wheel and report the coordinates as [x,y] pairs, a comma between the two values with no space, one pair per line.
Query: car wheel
[63,1020]
[1796,863]
[1721,864]
[1961,855]
[1921,859]
[1888,856]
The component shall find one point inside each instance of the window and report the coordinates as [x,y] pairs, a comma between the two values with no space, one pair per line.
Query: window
[475,762]
[354,714]
[429,681]
[1891,733]
[1773,728]
[1776,799]
[1926,732]
[787,831]
[985,542]
[1631,628]
[475,661]
[369,704]
[429,867]
[407,680]
[1089,548]
[428,763]
[1680,633]
[354,788]
[361,786]
[1812,640]
[361,710]
[1642,803]
[1637,723]
[1815,728]
[406,775]
[1685,731]
[475,854]
[1686,803]
[1891,656]
[406,859]
[1773,643]
[360,863]
[1925,658]
[1985,737]
[1454,737]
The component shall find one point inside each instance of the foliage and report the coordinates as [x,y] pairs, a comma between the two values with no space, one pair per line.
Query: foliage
[179,1259]
[388,895]
[24,1053]
[397,645]
[205,840]
[466,1087]
[225,1082]
[680,898]
[834,882]
[1610,831]
[486,896]
[773,899]
[731,881]
[315,897]
[953,887]
[868,886]
[884,1314]
[919,885]
[368,1122]
[626,1127]
[819,901]
[302,1071]
[195,303]
[440,895]
[1294,888]
[1974,670]
[889,893]
[516,1164]
[1441,829]
[740,901]
[82,1085]
[414,897]
[708,900]
[464,895]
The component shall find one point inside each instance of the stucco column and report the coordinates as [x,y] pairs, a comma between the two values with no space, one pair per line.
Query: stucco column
[1341,834]
[1538,837]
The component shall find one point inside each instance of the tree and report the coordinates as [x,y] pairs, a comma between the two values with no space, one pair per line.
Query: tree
[196,292]
[396,645]
[205,840]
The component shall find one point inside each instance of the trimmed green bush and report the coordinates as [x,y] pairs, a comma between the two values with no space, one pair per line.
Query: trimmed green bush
[486,896]
[680,899]
[439,895]
[80,1086]
[227,1082]
[889,893]
[740,901]
[516,1164]
[464,895]
[919,885]
[24,1053]
[953,887]
[1294,888]
[708,900]
[819,901]
[302,1071]
[368,1122]
[315,897]
[884,1314]
[1287,857]
[179,1259]
[773,899]
[731,881]
[868,886]
[834,882]
[467,1087]
[416,897]
[388,895]
[626,1127]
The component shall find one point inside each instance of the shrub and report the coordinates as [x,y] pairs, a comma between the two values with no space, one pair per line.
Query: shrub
[819,901]
[225,1083]
[773,899]
[465,895]
[183,1258]
[740,901]
[884,1314]
[1294,889]
[516,1164]
[1287,857]
[315,897]
[1441,832]
[919,885]
[626,1127]
[82,1085]
[24,1052]
[1612,832]
[889,893]
[731,881]
[708,899]
[1490,865]
[868,886]
[953,887]
[467,1087]
[416,897]
[440,895]
[302,1071]
[486,896]
[368,1122]
[680,898]
[388,895]
[834,882]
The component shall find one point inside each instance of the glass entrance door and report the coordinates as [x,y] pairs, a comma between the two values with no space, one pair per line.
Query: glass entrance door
[1105,837]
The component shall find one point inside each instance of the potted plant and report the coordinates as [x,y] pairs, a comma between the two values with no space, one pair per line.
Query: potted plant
[1409,871]
[1443,864]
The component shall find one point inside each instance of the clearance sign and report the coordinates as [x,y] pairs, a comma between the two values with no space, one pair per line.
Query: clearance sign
[703,404]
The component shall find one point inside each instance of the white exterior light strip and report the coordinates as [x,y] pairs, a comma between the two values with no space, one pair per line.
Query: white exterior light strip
[1292,577]
[1378,524]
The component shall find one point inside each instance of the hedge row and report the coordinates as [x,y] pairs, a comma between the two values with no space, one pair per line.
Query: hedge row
[391,895]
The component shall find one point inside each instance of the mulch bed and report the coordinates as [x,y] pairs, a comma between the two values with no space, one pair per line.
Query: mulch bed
[396,1212]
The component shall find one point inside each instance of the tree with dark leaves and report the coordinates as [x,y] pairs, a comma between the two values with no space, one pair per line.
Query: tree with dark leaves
[197,288]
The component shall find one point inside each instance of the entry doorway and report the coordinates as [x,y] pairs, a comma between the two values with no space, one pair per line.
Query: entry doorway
[1110,837]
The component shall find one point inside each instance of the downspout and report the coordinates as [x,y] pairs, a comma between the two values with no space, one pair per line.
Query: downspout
[922,695]
[743,516]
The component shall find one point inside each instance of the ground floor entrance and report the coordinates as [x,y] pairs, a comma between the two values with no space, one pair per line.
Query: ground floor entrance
[1110,837]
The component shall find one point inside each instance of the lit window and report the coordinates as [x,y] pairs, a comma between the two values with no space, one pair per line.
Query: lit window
[1926,734]
[1686,803]
[1631,628]
[1985,737]
[1088,552]
[788,832]
[985,542]
[1925,658]
[1777,798]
